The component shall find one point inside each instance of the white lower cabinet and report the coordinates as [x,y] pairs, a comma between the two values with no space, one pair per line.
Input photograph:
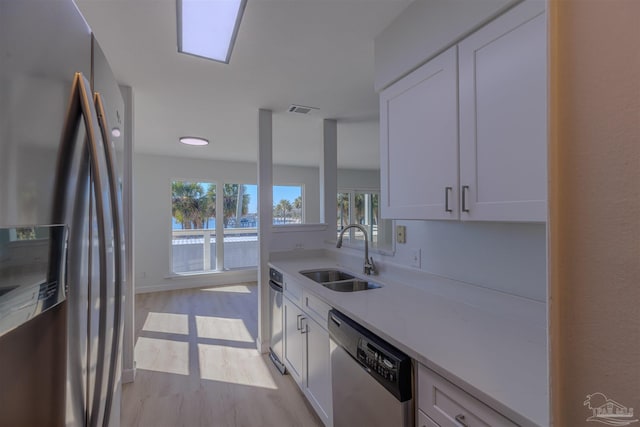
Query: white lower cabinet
[293,318]
[307,357]
[317,382]
[425,421]
[442,404]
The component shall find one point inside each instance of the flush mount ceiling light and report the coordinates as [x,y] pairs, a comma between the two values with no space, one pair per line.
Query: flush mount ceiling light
[116,132]
[194,140]
[208,28]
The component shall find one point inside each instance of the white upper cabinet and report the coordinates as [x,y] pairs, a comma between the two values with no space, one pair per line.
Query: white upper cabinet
[503,118]
[419,142]
[465,135]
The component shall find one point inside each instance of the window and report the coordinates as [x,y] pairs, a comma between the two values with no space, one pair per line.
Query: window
[193,210]
[240,226]
[194,244]
[362,208]
[288,205]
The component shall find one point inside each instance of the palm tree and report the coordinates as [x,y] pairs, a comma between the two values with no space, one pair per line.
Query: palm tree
[343,210]
[188,204]
[284,206]
[297,204]
[232,194]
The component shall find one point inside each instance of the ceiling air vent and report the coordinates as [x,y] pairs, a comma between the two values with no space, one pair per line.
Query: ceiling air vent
[293,108]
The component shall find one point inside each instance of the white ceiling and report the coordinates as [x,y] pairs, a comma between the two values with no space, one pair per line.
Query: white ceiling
[311,52]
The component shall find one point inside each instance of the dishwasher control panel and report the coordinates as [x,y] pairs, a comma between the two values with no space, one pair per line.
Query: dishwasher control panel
[377,361]
[387,364]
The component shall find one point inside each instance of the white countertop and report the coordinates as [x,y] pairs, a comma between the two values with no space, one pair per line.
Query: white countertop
[491,344]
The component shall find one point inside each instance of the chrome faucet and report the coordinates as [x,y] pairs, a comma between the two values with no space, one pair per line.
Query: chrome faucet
[369,266]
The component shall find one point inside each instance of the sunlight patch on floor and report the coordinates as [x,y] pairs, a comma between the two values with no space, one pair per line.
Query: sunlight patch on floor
[159,355]
[238,289]
[222,328]
[243,366]
[167,322]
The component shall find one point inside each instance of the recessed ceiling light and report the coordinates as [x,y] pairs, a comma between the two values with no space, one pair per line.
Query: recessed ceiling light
[116,132]
[194,140]
[208,28]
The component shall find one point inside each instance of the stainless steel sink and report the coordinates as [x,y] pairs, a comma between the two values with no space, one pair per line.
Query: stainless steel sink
[339,281]
[323,276]
[352,285]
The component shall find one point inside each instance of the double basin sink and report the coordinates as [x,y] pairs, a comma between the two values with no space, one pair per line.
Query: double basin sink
[339,281]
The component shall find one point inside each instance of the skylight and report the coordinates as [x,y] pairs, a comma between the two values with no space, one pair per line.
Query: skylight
[208,28]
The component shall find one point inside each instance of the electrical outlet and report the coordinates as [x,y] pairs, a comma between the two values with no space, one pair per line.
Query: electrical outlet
[416,258]
[299,245]
[401,234]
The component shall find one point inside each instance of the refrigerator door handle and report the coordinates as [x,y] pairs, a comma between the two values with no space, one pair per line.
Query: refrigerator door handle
[81,106]
[118,242]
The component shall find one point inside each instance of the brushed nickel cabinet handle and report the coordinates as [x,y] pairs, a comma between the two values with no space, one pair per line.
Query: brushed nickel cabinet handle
[460,418]
[446,199]
[304,328]
[465,188]
[298,323]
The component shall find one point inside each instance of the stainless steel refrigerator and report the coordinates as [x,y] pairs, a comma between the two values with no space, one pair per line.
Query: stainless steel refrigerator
[61,234]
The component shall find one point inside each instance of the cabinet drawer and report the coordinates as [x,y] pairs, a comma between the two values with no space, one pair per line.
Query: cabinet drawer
[450,406]
[425,421]
[317,309]
[292,289]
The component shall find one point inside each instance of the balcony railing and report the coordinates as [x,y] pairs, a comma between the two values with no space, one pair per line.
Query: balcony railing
[195,250]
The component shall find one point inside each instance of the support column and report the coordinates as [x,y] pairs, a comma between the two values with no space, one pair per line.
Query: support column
[265,215]
[329,177]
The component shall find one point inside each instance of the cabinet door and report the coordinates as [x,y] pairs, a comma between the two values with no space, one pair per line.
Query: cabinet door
[318,371]
[294,321]
[503,118]
[425,421]
[419,143]
[449,406]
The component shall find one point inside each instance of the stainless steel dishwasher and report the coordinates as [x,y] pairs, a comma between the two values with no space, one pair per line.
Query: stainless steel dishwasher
[372,381]
[275,319]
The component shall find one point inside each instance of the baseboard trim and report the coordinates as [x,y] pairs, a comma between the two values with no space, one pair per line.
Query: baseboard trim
[264,349]
[199,281]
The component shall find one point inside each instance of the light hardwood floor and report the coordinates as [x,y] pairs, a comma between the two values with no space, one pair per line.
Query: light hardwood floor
[197,365]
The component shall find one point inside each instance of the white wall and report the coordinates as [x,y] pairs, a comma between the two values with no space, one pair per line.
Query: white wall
[359,179]
[508,257]
[152,212]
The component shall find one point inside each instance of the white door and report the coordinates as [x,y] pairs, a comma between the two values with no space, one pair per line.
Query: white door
[503,118]
[419,143]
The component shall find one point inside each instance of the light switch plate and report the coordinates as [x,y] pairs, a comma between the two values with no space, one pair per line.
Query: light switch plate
[401,234]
